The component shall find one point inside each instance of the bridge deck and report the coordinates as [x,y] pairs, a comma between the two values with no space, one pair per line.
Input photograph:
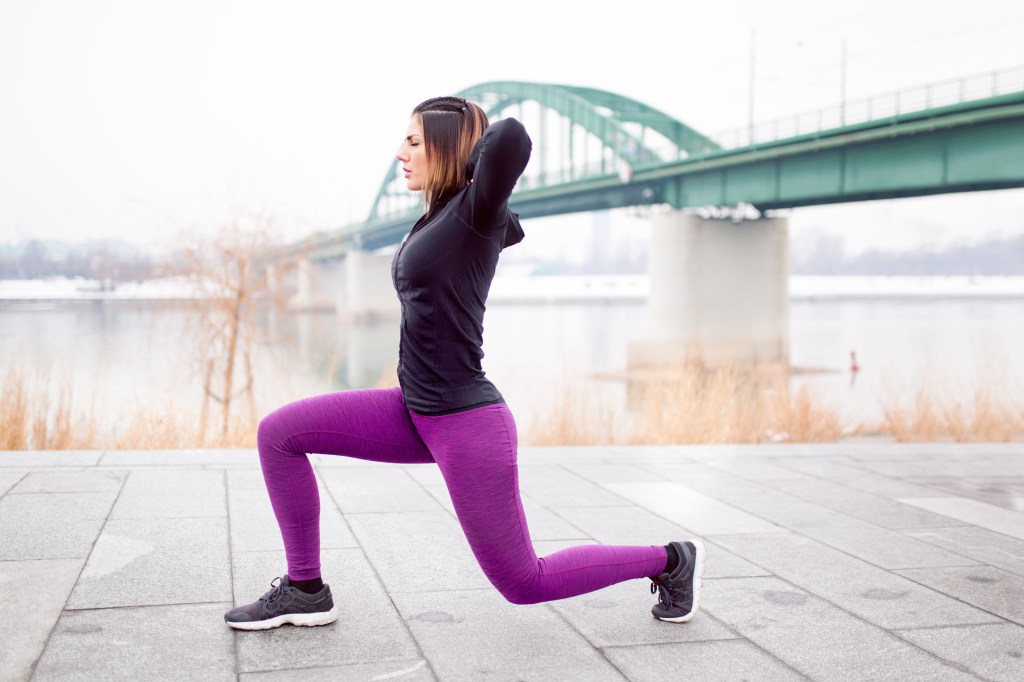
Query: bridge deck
[865,561]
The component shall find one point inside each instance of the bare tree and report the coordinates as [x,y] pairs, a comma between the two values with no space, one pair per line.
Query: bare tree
[232,286]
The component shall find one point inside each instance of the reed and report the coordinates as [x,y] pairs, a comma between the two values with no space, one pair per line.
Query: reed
[983,414]
[691,403]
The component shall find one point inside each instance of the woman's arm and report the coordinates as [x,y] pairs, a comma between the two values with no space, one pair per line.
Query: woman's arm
[498,159]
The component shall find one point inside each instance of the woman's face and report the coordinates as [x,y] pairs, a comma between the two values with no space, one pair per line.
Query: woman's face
[413,155]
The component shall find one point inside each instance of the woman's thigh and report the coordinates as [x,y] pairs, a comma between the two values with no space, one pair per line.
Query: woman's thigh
[476,452]
[369,423]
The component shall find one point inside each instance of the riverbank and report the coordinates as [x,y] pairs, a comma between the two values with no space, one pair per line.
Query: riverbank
[521,288]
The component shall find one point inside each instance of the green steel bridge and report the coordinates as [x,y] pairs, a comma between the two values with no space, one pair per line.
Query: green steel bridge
[596,150]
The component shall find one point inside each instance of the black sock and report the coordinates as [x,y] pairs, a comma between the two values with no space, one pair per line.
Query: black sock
[673,558]
[308,586]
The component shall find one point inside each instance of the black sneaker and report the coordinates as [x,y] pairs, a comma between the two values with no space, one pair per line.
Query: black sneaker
[679,592]
[284,604]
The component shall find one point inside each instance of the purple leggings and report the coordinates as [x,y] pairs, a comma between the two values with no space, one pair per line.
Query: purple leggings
[476,452]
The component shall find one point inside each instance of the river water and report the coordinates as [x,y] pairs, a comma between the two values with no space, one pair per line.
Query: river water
[125,357]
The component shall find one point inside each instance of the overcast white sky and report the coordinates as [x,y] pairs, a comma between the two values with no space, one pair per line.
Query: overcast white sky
[134,119]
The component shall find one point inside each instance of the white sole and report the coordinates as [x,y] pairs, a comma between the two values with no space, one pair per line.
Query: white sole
[303,619]
[698,582]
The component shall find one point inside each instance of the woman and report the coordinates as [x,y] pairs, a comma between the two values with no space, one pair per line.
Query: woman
[445,411]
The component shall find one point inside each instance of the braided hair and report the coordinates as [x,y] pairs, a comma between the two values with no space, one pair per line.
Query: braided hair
[451,127]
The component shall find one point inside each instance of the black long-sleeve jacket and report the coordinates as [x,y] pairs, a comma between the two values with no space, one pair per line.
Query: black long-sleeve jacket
[443,272]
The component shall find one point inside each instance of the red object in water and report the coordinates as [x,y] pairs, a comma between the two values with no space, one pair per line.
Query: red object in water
[854,367]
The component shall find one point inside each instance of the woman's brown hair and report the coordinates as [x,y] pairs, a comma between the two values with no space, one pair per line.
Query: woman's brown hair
[451,127]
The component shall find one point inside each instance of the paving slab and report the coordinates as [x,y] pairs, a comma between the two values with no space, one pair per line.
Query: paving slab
[253,524]
[25,634]
[731,659]
[140,562]
[877,509]
[81,481]
[183,642]
[404,671]
[988,588]
[980,544]
[639,526]
[992,652]
[49,458]
[975,513]
[815,637]
[369,629]
[444,560]
[620,615]
[699,512]
[555,486]
[359,490]
[51,525]
[172,493]
[477,635]
[875,594]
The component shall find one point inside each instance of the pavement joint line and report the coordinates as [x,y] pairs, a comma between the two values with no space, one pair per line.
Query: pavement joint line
[739,636]
[600,651]
[959,626]
[49,635]
[14,485]
[824,598]
[953,596]
[951,663]
[85,609]
[804,535]
[231,566]
[435,590]
[380,581]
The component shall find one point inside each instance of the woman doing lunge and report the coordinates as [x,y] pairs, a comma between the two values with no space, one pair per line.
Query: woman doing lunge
[445,411]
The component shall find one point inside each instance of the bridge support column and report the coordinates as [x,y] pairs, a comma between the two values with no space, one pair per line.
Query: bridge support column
[319,286]
[369,293]
[719,292]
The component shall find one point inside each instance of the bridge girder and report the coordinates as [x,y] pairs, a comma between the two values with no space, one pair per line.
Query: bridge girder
[602,114]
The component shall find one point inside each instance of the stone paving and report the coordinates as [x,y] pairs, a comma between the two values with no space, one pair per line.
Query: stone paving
[859,561]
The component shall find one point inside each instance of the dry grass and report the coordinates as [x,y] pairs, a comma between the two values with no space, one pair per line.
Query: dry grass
[38,412]
[36,416]
[985,415]
[694,403]
[688,404]
[578,417]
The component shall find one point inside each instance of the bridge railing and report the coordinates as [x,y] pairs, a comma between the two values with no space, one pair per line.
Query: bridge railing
[909,100]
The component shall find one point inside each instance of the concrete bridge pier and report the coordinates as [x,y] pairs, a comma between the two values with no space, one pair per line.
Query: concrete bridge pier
[358,287]
[719,292]
[369,293]
[319,286]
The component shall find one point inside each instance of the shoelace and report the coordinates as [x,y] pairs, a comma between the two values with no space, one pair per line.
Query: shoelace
[663,590]
[271,598]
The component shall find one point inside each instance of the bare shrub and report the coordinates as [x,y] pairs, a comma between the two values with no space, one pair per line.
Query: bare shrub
[228,272]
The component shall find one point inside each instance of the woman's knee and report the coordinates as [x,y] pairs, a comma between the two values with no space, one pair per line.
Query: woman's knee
[516,591]
[271,434]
